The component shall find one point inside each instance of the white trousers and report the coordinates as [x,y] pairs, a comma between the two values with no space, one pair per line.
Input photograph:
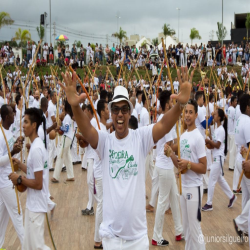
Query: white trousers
[209,163]
[120,244]
[51,149]
[237,172]
[192,229]
[90,182]
[8,209]
[182,60]
[214,177]
[155,188]
[98,214]
[149,165]
[64,157]
[167,191]
[232,151]
[84,159]
[34,231]
[75,157]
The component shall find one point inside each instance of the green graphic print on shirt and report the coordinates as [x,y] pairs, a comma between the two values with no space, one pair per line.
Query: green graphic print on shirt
[121,165]
[185,149]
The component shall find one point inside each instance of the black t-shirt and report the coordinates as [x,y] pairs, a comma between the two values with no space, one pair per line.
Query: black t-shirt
[127,50]
[51,50]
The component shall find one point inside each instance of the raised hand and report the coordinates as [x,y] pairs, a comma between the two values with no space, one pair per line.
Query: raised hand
[185,86]
[70,89]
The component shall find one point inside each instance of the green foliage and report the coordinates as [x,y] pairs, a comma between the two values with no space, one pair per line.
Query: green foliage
[5,19]
[247,23]
[22,35]
[155,41]
[221,32]
[120,35]
[78,44]
[92,45]
[194,34]
[144,43]
[40,31]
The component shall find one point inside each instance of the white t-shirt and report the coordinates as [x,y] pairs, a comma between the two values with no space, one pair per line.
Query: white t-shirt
[200,118]
[90,150]
[97,161]
[2,102]
[237,112]
[219,135]
[162,161]
[192,148]
[134,113]
[211,108]
[144,117]
[67,121]
[242,134]
[176,85]
[231,120]
[31,101]
[36,104]
[138,107]
[51,112]
[37,161]
[5,169]
[123,167]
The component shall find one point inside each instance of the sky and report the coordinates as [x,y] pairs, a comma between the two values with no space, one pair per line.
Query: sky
[97,18]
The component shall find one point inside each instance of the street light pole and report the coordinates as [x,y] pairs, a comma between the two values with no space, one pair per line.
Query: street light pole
[118,17]
[222,26]
[178,23]
[50,21]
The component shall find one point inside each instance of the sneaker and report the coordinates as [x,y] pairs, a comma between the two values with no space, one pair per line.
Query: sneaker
[239,192]
[239,232]
[205,191]
[64,169]
[231,201]
[88,212]
[179,237]
[235,192]
[162,243]
[207,208]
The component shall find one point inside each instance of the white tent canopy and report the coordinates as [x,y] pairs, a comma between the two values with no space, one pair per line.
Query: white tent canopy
[169,40]
[143,40]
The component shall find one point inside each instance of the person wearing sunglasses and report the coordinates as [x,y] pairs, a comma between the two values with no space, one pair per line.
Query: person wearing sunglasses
[123,155]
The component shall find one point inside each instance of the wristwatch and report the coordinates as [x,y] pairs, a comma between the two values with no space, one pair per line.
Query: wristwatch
[189,165]
[19,180]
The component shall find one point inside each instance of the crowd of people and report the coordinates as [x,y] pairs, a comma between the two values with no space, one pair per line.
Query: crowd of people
[179,54]
[51,125]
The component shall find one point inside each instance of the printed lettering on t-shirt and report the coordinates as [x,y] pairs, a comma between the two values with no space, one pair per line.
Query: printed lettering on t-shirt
[45,165]
[121,165]
[236,127]
[185,149]
[11,142]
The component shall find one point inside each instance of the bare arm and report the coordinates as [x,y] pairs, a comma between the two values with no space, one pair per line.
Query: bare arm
[199,168]
[83,122]
[170,118]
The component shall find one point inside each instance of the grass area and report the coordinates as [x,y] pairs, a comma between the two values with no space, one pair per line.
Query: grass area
[196,78]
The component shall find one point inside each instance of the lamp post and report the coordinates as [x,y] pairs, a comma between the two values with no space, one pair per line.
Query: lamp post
[50,21]
[178,22]
[222,26]
[118,17]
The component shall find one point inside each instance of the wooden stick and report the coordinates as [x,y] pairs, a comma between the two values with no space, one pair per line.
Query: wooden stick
[21,112]
[120,70]
[11,164]
[242,172]
[177,123]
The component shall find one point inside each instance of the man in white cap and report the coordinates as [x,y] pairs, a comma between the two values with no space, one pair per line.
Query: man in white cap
[123,154]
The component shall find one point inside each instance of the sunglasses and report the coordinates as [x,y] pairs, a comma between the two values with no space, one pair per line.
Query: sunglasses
[124,109]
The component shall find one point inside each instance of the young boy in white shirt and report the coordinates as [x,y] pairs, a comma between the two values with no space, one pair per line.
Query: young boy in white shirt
[36,181]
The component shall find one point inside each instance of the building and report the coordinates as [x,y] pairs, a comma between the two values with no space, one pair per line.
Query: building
[238,28]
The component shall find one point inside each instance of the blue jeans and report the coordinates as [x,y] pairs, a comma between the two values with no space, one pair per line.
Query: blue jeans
[100,58]
[246,56]
[28,57]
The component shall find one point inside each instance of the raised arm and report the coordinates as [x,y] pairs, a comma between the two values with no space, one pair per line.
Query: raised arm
[83,122]
[170,118]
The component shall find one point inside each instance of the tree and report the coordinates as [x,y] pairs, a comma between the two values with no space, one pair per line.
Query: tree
[40,32]
[247,23]
[211,35]
[144,43]
[22,35]
[194,34]
[155,41]
[167,31]
[5,19]
[120,35]
[221,32]
[78,44]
